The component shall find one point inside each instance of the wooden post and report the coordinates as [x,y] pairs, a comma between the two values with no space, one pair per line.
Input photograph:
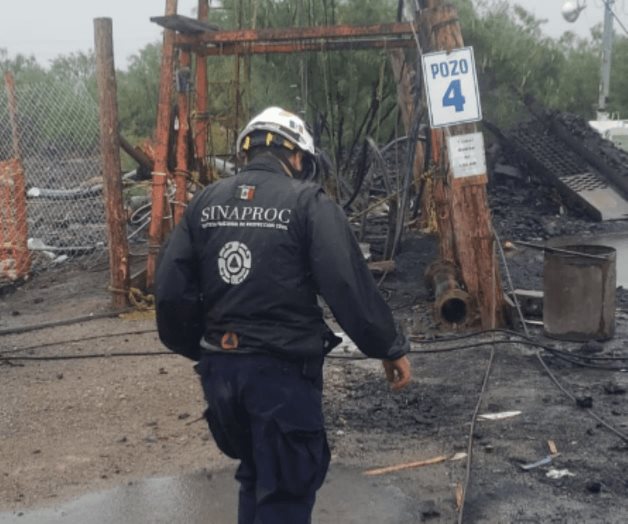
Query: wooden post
[181,171]
[441,194]
[137,154]
[162,132]
[110,147]
[201,116]
[463,214]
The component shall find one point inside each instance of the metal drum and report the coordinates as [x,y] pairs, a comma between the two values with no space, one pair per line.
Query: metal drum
[579,292]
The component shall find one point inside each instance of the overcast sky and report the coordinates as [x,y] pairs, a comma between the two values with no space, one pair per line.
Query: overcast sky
[48,28]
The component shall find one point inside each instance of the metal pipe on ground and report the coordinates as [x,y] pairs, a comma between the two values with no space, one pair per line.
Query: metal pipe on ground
[453,306]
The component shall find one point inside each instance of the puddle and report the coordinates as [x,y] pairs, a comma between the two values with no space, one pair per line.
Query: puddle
[346,497]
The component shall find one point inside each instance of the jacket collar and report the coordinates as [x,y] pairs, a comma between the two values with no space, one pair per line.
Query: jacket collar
[267,162]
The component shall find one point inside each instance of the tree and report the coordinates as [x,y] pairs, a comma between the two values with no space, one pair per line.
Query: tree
[24,68]
[514,58]
[619,78]
[138,93]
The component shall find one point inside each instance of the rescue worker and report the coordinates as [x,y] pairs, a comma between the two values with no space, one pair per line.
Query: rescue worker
[236,289]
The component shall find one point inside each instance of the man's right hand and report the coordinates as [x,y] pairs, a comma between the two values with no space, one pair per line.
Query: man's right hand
[397,372]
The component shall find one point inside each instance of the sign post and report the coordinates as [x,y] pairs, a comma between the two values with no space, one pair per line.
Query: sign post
[461,202]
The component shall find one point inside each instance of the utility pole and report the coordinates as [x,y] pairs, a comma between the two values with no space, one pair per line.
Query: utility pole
[607,53]
[463,214]
[571,11]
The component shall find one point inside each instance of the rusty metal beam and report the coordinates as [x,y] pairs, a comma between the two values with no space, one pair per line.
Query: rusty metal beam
[201,115]
[297,34]
[162,130]
[182,168]
[301,47]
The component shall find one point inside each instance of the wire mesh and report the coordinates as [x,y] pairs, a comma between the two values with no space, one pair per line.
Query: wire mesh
[58,137]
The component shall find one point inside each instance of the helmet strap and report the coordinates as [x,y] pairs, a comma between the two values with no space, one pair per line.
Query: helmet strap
[267,139]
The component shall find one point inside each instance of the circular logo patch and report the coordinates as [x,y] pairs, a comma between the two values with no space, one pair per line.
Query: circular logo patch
[234,262]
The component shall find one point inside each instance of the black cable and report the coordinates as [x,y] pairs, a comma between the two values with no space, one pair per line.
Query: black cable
[72,341]
[575,400]
[92,355]
[562,356]
[441,350]
[589,357]
[65,322]
[523,340]
[523,343]
[474,418]
[516,334]
[466,335]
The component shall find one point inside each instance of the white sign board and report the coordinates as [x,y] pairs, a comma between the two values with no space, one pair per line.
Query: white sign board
[451,85]
[466,155]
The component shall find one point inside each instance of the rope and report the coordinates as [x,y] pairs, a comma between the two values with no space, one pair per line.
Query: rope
[141,301]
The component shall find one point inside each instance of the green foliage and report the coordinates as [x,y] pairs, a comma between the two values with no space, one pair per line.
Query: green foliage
[619,80]
[332,90]
[24,68]
[515,58]
[53,107]
[76,68]
[138,93]
[347,95]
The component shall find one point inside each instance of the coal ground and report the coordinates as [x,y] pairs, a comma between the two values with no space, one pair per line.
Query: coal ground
[115,421]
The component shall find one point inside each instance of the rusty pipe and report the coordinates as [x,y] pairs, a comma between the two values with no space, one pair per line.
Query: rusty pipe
[452,305]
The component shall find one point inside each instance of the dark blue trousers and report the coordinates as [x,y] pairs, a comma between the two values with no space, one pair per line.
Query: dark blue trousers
[265,412]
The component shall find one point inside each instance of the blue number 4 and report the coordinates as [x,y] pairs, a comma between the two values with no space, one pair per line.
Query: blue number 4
[453,96]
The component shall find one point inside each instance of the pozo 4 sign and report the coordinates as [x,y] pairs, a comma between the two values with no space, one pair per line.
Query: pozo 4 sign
[452,87]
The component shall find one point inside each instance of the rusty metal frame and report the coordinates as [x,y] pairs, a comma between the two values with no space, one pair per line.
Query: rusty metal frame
[191,38]
[301,47]
[299,39]
[297,34]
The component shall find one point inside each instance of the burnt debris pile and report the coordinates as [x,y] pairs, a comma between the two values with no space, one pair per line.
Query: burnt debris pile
[554,175]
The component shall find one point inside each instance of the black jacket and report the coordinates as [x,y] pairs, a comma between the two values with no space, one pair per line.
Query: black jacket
[250,256]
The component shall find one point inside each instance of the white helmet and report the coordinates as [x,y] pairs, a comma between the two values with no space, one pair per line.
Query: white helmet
[277,121]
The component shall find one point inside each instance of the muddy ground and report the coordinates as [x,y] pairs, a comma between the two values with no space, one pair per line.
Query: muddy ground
[69,427]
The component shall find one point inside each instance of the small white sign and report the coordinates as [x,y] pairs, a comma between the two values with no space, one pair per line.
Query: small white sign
[451,85]
[466,155]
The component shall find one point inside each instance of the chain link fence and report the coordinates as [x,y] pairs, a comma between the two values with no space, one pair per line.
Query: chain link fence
[58,132]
